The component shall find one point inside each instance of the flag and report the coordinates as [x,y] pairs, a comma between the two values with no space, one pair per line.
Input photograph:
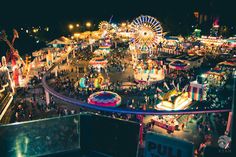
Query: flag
[15,33]
[160,97]
[177,86]
[158,89]
[185,88]
[166,86]
[173,83]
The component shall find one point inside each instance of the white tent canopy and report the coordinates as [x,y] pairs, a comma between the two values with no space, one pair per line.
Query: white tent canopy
[61,41]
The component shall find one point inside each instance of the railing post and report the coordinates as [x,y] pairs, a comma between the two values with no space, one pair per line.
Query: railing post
[47,97]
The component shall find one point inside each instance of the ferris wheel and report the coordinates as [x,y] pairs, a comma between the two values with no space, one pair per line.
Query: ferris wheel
[147,32]
[104,26]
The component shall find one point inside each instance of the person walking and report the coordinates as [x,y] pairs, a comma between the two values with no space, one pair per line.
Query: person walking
[152,124]
[182,126]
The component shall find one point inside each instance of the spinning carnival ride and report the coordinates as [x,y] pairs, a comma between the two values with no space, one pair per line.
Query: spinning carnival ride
[13,57]
[174,99]
[85,82]
[147,35]
[104,26]
[105,99]
[5,78]
[147,32]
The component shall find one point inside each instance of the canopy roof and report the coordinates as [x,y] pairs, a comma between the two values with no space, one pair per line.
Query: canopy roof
[230,62]
[178,65]
[216,71]
[62,41]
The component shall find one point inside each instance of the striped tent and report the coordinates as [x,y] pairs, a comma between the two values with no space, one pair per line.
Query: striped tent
[196,91]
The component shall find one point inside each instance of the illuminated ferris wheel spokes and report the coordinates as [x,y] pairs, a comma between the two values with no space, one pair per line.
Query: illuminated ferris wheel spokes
[104,26]
[148,31]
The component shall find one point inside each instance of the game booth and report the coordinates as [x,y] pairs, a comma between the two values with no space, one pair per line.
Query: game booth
[230,43]
[61,42]
[166,122]
[128,85]
[215,77]
[211,41]
[229,64]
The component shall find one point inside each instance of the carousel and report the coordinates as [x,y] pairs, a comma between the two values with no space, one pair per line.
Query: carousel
[98,63]
[104,99]
[105,43]
[105,46]
[148,72]
[101,52]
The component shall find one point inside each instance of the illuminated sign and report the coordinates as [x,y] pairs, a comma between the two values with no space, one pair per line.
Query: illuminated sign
[158,145]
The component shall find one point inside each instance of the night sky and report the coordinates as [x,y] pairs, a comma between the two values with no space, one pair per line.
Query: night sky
[51,12]
[176,16]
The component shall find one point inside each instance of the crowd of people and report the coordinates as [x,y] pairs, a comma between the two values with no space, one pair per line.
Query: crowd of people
[208,127]
[137,95]
[140,96]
